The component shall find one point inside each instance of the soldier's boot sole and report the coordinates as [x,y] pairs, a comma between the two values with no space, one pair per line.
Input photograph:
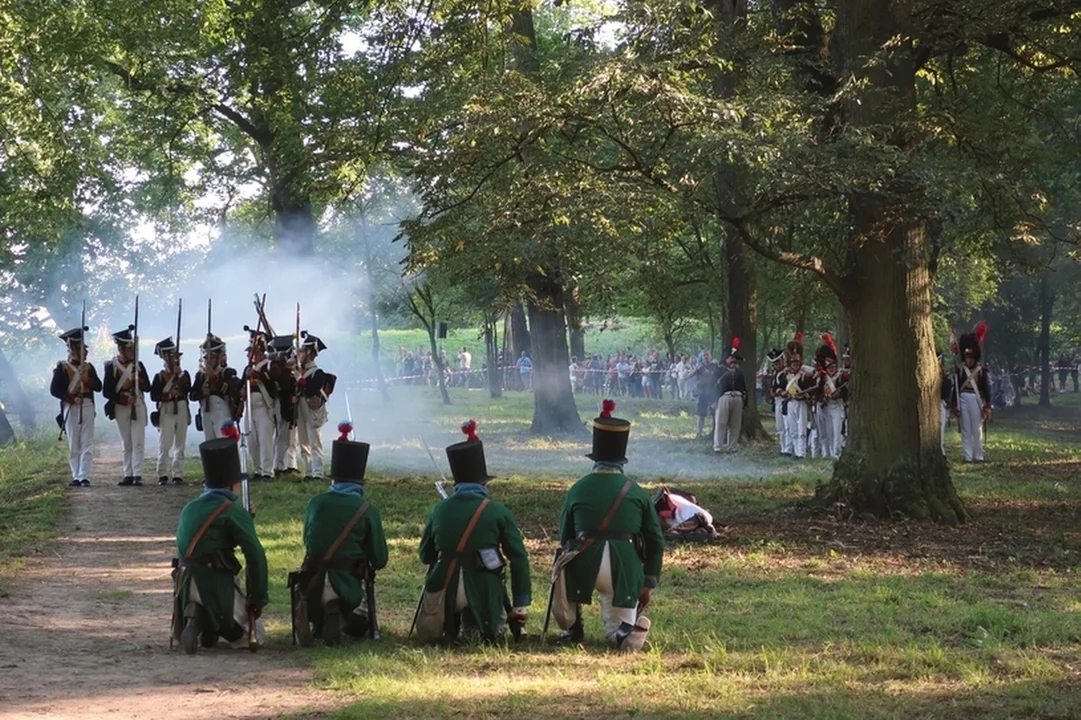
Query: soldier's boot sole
[632,638]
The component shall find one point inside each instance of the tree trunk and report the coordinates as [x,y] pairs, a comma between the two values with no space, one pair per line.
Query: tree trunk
[554,411]
[441,378]
[378,367]
[574,322]
[491,349]
[1047,303]
[892,462]
[741,319]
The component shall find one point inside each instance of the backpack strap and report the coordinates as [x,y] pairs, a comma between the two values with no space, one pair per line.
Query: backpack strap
[461,543]
[205,526]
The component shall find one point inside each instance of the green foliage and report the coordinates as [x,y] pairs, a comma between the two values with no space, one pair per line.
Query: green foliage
[31,499]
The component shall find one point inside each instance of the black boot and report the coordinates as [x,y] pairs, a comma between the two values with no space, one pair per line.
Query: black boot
[137,481]
[332,624]
[128,481]
[178,481]
[163,480]
[575,633]
[189,638]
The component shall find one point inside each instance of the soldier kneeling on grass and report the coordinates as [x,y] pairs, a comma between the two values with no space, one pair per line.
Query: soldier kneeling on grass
[466,543]
[611,542]
[344,545]
[209,601]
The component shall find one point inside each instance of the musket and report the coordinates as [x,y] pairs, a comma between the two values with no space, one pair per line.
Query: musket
[349,414]
[135,363]
[439,485]
[551,597]
[296,337]
[260,308]
[245,499]
[369,592]
[179,316]
[443,494]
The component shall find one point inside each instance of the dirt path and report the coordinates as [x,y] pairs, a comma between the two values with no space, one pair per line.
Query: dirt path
[84,633]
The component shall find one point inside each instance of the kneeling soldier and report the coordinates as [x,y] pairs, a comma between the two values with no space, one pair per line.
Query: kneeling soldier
[612,542]
[209,601]
[462,545]
[344,544]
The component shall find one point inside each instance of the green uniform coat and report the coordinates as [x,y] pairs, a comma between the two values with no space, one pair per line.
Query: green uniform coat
[233,528]
[327,516]
[483,588]
[584,508]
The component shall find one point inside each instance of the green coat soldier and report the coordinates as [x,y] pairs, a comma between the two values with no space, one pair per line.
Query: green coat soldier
[343,543]
[467,542]
[611,542]
[209,600]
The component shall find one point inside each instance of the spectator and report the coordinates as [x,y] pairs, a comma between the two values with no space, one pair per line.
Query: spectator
[465,363]
[525,371]
[572,370]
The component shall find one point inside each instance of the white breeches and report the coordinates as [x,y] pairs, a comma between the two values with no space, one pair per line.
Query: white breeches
[261,439]
[285,445]
[310,440]
[131,422]
[781,422]
[174,436]
[971,426]
[79,425]
[797,427]
[831,420]
[215,414]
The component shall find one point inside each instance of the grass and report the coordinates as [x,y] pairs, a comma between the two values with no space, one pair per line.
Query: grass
[793,614]
[31,499]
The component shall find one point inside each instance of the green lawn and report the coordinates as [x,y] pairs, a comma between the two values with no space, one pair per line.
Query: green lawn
[793,614]
[31,498]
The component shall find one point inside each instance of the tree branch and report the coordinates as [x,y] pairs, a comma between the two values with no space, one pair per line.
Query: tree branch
[800,261]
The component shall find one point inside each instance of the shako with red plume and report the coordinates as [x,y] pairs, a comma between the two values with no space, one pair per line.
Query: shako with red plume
[828,350]
[466,458]
[794,347]
[348,458]
[610,436]
[345,428]
[734,353]
[221,460]
[971,344]
[981,332]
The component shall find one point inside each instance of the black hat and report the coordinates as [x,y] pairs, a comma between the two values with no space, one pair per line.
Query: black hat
[775,354]
[828,351]
[165,347]
[75,336]
[794,348]
[311,342]
[466,459]
[213,343]
[259,338]
[734,354]
[221,462]
[610,436]
[280,345]
[970,346]
[126,336]
[348,461]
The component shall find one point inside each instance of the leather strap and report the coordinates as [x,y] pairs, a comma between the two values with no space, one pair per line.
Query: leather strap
[453,566]
[206,524]
[345,531]
[611,514]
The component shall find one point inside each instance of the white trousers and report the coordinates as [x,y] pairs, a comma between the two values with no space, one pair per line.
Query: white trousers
[79,425]
[944,420]
[131,422]
[971,426]
[285,445]
[310,441]
[831,420]
[215,414]
[727,423]
[173,427]
[797,427]
[261,439]
[781,422]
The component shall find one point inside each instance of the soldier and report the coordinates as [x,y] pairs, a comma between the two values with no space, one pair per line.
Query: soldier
[209,601]
[170,390]
[313,389]
[74,383]
[832,398]
[282,362]
[731,392]
[467,542]
[704,376]
[798,382]
[776,390]
[343,541]
[973,397]
[263,391]
[126,403]
[216,388]
[611,542]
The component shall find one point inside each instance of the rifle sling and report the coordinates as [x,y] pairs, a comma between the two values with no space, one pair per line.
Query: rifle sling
[205,526]
[461,543]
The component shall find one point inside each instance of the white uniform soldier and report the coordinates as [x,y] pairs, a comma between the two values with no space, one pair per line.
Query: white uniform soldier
[832,397]
[797,382]
[286,437]
[126,403]
[74,383]
[973,393]
[776,360]
[216,388]
[170,389]
[262,411]
[313,388]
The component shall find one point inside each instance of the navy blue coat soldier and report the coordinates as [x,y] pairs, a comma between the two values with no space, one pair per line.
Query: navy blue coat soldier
[286,436]
[611,542]
[467,542]
[209,601]
[216,388]
[169,389]
[262,409]
[124,388]
[313,388]
[74,383]
[344,545]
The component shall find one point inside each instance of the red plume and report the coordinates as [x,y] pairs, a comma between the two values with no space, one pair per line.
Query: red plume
[828,339]
[344,428]
[981,333]
[470,430]
[607,407]
[735,343]
[799,336]
[230,430]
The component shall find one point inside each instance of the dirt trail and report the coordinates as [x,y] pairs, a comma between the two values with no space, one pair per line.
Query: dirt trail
[84,633]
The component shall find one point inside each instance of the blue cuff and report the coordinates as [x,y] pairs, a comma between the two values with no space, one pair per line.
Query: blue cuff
[522,601]
[652,582]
